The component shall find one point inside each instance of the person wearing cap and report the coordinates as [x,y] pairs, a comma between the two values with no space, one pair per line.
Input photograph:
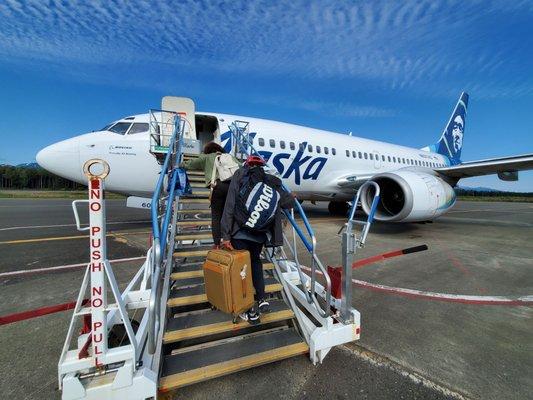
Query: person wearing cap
[234,237]
[206,162]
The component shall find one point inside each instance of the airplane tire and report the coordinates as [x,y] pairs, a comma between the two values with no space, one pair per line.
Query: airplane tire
[338,208]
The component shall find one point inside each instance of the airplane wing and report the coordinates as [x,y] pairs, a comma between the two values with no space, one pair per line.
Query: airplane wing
[506,167]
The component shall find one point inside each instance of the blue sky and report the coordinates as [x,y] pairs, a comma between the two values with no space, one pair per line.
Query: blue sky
[386,70]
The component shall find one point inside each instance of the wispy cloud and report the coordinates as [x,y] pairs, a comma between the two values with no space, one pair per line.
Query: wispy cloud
[329,108]
[394,44]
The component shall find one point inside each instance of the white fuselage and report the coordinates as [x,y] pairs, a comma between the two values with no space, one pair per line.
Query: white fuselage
[311,162]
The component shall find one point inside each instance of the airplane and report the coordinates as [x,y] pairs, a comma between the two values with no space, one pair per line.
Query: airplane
[416,184]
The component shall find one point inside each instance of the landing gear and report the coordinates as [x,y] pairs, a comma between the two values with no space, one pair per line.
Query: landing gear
[338,208]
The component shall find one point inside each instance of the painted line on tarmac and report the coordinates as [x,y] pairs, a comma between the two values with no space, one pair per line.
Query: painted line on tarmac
[12,228]
[61,267]
[446,297]
[50,239]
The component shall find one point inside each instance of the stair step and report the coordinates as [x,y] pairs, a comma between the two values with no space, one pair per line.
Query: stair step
[228,357]
[194,236]
[194,200]
[198,184]
[203,211]
[195,173]
[197,278]
[196,294]
[211,322]
[193,251]
[199,272]
[196,179]
[194,222]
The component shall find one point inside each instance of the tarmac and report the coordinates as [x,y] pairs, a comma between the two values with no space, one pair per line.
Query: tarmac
[450,322]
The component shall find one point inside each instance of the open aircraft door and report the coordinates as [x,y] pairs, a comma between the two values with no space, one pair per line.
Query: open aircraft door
[185,107]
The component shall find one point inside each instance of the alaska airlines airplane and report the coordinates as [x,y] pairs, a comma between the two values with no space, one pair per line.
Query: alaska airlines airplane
[416,184]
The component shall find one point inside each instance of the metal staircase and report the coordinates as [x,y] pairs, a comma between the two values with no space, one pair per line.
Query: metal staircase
[182,340]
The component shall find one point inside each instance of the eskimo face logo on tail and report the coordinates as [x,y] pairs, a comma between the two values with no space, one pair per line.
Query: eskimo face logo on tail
[458,126]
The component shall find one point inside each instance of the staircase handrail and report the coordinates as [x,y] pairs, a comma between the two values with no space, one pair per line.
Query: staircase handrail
[160,223]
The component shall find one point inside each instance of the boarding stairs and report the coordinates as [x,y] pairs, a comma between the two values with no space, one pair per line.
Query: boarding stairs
[180,339]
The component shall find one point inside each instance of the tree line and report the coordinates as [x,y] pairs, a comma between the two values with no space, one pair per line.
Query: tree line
[34,177]
[491,193]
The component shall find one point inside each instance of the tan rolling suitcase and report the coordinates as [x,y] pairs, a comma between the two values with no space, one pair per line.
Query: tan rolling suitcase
[228,280]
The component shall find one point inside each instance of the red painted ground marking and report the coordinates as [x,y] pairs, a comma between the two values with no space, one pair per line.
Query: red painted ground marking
[38,312]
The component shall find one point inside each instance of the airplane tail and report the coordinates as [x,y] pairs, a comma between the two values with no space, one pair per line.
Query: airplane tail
[450,143]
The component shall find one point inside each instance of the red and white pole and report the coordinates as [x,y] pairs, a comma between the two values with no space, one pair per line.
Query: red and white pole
[96,171]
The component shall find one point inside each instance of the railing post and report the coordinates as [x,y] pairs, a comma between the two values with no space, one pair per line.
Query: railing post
[348,249]
[97,238]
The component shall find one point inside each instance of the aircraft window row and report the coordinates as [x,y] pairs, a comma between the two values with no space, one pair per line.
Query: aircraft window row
[353,153]
[292,146]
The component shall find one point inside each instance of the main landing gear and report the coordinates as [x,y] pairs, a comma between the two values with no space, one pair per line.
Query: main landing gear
[338,208]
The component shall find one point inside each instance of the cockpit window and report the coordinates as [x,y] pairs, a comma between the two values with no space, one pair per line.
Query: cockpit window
[120,127]
[138,128]
[105,128]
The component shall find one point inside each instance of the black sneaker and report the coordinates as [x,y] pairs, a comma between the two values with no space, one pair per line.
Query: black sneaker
[264,306]
[252,316]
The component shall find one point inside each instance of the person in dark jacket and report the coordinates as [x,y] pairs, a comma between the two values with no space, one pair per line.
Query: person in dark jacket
[206,162]
[234,237]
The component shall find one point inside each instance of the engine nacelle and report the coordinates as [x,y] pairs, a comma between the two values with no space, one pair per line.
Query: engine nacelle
[409,196]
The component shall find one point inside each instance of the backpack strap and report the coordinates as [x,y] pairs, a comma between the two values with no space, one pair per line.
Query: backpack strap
[214,171]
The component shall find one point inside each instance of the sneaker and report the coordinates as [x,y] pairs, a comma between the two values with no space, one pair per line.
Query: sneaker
[251,316]
[264,306]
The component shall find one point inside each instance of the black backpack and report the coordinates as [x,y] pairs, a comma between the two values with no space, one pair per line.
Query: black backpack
[257,201]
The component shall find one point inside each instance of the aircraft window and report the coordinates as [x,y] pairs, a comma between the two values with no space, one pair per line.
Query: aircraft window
[360,155]
[347,153]
[382,158]
[282,144]
[326,150]
[388,157]
[138,128]
[333,151]
[261,141]
[120,127]
[403,160]
[301,146]
[354,154]
[105,128]
[366,156]
[393,159]
[309,148]
[272,143]
[318,150]
[371,156]
[129,118]
[291,145]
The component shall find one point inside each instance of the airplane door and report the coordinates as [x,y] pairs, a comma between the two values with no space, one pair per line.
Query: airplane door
[377,159]
[185,107]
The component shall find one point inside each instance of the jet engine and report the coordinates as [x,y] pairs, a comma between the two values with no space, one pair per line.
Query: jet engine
[409,196]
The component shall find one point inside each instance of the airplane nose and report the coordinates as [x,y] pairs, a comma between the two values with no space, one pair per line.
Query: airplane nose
[62,158]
